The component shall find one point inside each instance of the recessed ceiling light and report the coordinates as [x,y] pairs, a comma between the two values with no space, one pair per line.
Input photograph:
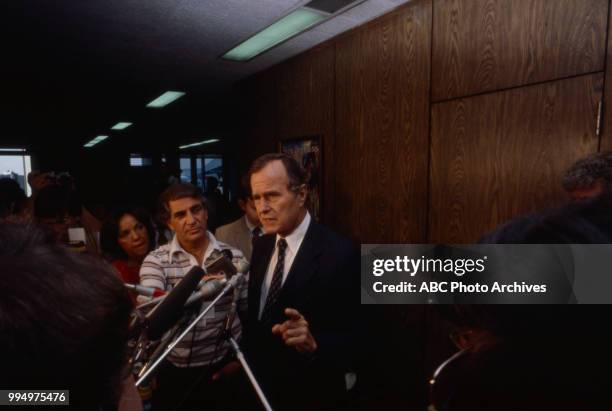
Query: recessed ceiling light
[95,141]
[122,125]
[199,143]
[293,23]
[165,99]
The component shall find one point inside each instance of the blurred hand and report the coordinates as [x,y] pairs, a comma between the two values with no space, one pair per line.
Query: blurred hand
[295,332]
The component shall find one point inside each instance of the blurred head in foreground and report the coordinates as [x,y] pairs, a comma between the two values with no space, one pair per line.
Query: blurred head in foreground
[63,319]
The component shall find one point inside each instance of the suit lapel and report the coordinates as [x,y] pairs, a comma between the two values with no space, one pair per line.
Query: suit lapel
[258,271]
[304,266]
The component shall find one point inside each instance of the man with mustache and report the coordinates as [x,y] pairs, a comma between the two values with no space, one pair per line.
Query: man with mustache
[201,354]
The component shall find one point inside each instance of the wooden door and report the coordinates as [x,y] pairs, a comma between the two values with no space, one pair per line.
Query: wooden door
[496,156]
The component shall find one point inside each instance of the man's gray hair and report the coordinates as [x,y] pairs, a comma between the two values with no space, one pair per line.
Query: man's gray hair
[586,171]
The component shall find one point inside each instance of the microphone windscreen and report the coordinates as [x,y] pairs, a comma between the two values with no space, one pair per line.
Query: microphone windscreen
[228,254]
[171,309]
[219,262]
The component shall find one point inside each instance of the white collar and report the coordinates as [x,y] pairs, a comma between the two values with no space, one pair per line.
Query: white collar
[213,244]
[294,240]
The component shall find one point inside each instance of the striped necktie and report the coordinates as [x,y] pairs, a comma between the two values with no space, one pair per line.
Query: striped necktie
[277,280]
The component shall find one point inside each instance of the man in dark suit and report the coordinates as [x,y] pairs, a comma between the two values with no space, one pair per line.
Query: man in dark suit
[304,282]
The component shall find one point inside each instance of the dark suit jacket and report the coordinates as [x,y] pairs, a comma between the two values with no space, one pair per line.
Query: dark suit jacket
[323,285]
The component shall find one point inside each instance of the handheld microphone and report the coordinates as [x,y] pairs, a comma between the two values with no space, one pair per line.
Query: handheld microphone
[171,308]
[146,291]
[207,292]
[220,262]
[241,268]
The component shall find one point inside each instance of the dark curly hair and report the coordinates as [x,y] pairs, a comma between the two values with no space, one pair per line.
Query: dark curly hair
[176,192]
[110,231]
[584,172]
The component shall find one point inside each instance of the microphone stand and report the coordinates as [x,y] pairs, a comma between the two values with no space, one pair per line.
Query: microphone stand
[153,301]
[230,284]
[240,356]
[158,350]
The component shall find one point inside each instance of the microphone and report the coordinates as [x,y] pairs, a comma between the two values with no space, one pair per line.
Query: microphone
[209,289]
[170,309]
[146,291]
[228,254]
[220,262]
[207,292]
[241,267]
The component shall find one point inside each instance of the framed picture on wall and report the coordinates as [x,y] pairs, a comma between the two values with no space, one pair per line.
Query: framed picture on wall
[308,153]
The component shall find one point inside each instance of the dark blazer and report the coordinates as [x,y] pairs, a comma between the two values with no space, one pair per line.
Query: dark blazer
[323,285]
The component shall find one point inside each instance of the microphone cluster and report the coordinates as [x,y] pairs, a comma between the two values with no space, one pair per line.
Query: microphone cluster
[189,292]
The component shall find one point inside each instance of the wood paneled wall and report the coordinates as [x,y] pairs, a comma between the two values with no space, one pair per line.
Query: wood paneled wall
[606,136]
[367,94]
[382,125]
[489,45]
[257,99]
[512,88]
[306,108]
[492,160]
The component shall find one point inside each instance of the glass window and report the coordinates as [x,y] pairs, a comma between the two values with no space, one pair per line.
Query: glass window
[213,166]
[16,167]
[185,169]
[138,160]
[199,172]
[205,166]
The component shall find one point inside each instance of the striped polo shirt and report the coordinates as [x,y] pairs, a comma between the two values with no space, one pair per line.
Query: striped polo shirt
[163,268]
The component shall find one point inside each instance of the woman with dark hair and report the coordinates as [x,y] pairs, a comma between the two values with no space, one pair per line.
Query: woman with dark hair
[126,238]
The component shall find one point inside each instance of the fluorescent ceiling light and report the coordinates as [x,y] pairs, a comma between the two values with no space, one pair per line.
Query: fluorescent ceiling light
[95,141]
[285,28]
[165,99]
[199,143]
[122,125]
[21,150]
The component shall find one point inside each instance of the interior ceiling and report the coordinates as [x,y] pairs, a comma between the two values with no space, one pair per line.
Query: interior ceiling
[73,68]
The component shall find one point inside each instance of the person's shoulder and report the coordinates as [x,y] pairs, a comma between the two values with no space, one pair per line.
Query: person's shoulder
[119,264]
[160,254]
[229,227]
[330,239]
[336,251]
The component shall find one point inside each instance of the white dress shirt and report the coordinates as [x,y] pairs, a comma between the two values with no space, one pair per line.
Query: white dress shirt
[294,241]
